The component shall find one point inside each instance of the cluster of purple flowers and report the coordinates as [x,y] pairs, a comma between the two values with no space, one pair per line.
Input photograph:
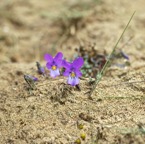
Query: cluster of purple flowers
[72,70]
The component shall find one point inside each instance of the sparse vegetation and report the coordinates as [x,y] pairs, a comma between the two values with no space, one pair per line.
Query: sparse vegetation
[51,111]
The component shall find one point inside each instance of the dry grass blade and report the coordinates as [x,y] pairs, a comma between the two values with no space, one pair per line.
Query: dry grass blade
[100,74]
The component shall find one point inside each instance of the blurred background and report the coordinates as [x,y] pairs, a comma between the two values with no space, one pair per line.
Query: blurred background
[30,28]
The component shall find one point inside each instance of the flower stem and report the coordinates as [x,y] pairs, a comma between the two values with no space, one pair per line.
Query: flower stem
[100,74]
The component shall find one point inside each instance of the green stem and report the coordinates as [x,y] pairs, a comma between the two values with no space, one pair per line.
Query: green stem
[100,75]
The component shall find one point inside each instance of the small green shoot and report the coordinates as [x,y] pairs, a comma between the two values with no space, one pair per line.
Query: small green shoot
[101,73]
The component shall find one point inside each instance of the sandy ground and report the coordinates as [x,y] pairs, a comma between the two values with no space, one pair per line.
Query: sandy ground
[54,112]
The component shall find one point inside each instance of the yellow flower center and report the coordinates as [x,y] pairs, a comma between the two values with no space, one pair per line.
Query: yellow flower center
[53,67]
[73,74]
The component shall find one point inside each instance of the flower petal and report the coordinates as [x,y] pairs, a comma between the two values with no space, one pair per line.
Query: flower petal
[66,64]
[66,73]
[78,73]
[35,79]
[58,59]
[125,55]
[58,63]
[29,77]
[78,63]
[40,69]
[48,57]
[73,81]
[54,73]
[49,65]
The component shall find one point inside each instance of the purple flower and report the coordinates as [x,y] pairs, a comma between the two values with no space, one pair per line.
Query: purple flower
[53,64]
[34,78]
[72,70]
[124,55]
[40,68]
[30,78]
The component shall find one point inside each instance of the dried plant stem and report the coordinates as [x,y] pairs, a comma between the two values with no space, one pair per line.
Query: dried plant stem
[100,75]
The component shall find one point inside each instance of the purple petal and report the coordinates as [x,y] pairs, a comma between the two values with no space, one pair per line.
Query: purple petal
[32,78]
[58,60]
[78,63]
[48,57]
[78,73]
[41,70]
[66,64]
[49,65]
[35,79]
[54,73]
[58,57]
[66,73]
[125,55]
[73,81]
[58,63]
